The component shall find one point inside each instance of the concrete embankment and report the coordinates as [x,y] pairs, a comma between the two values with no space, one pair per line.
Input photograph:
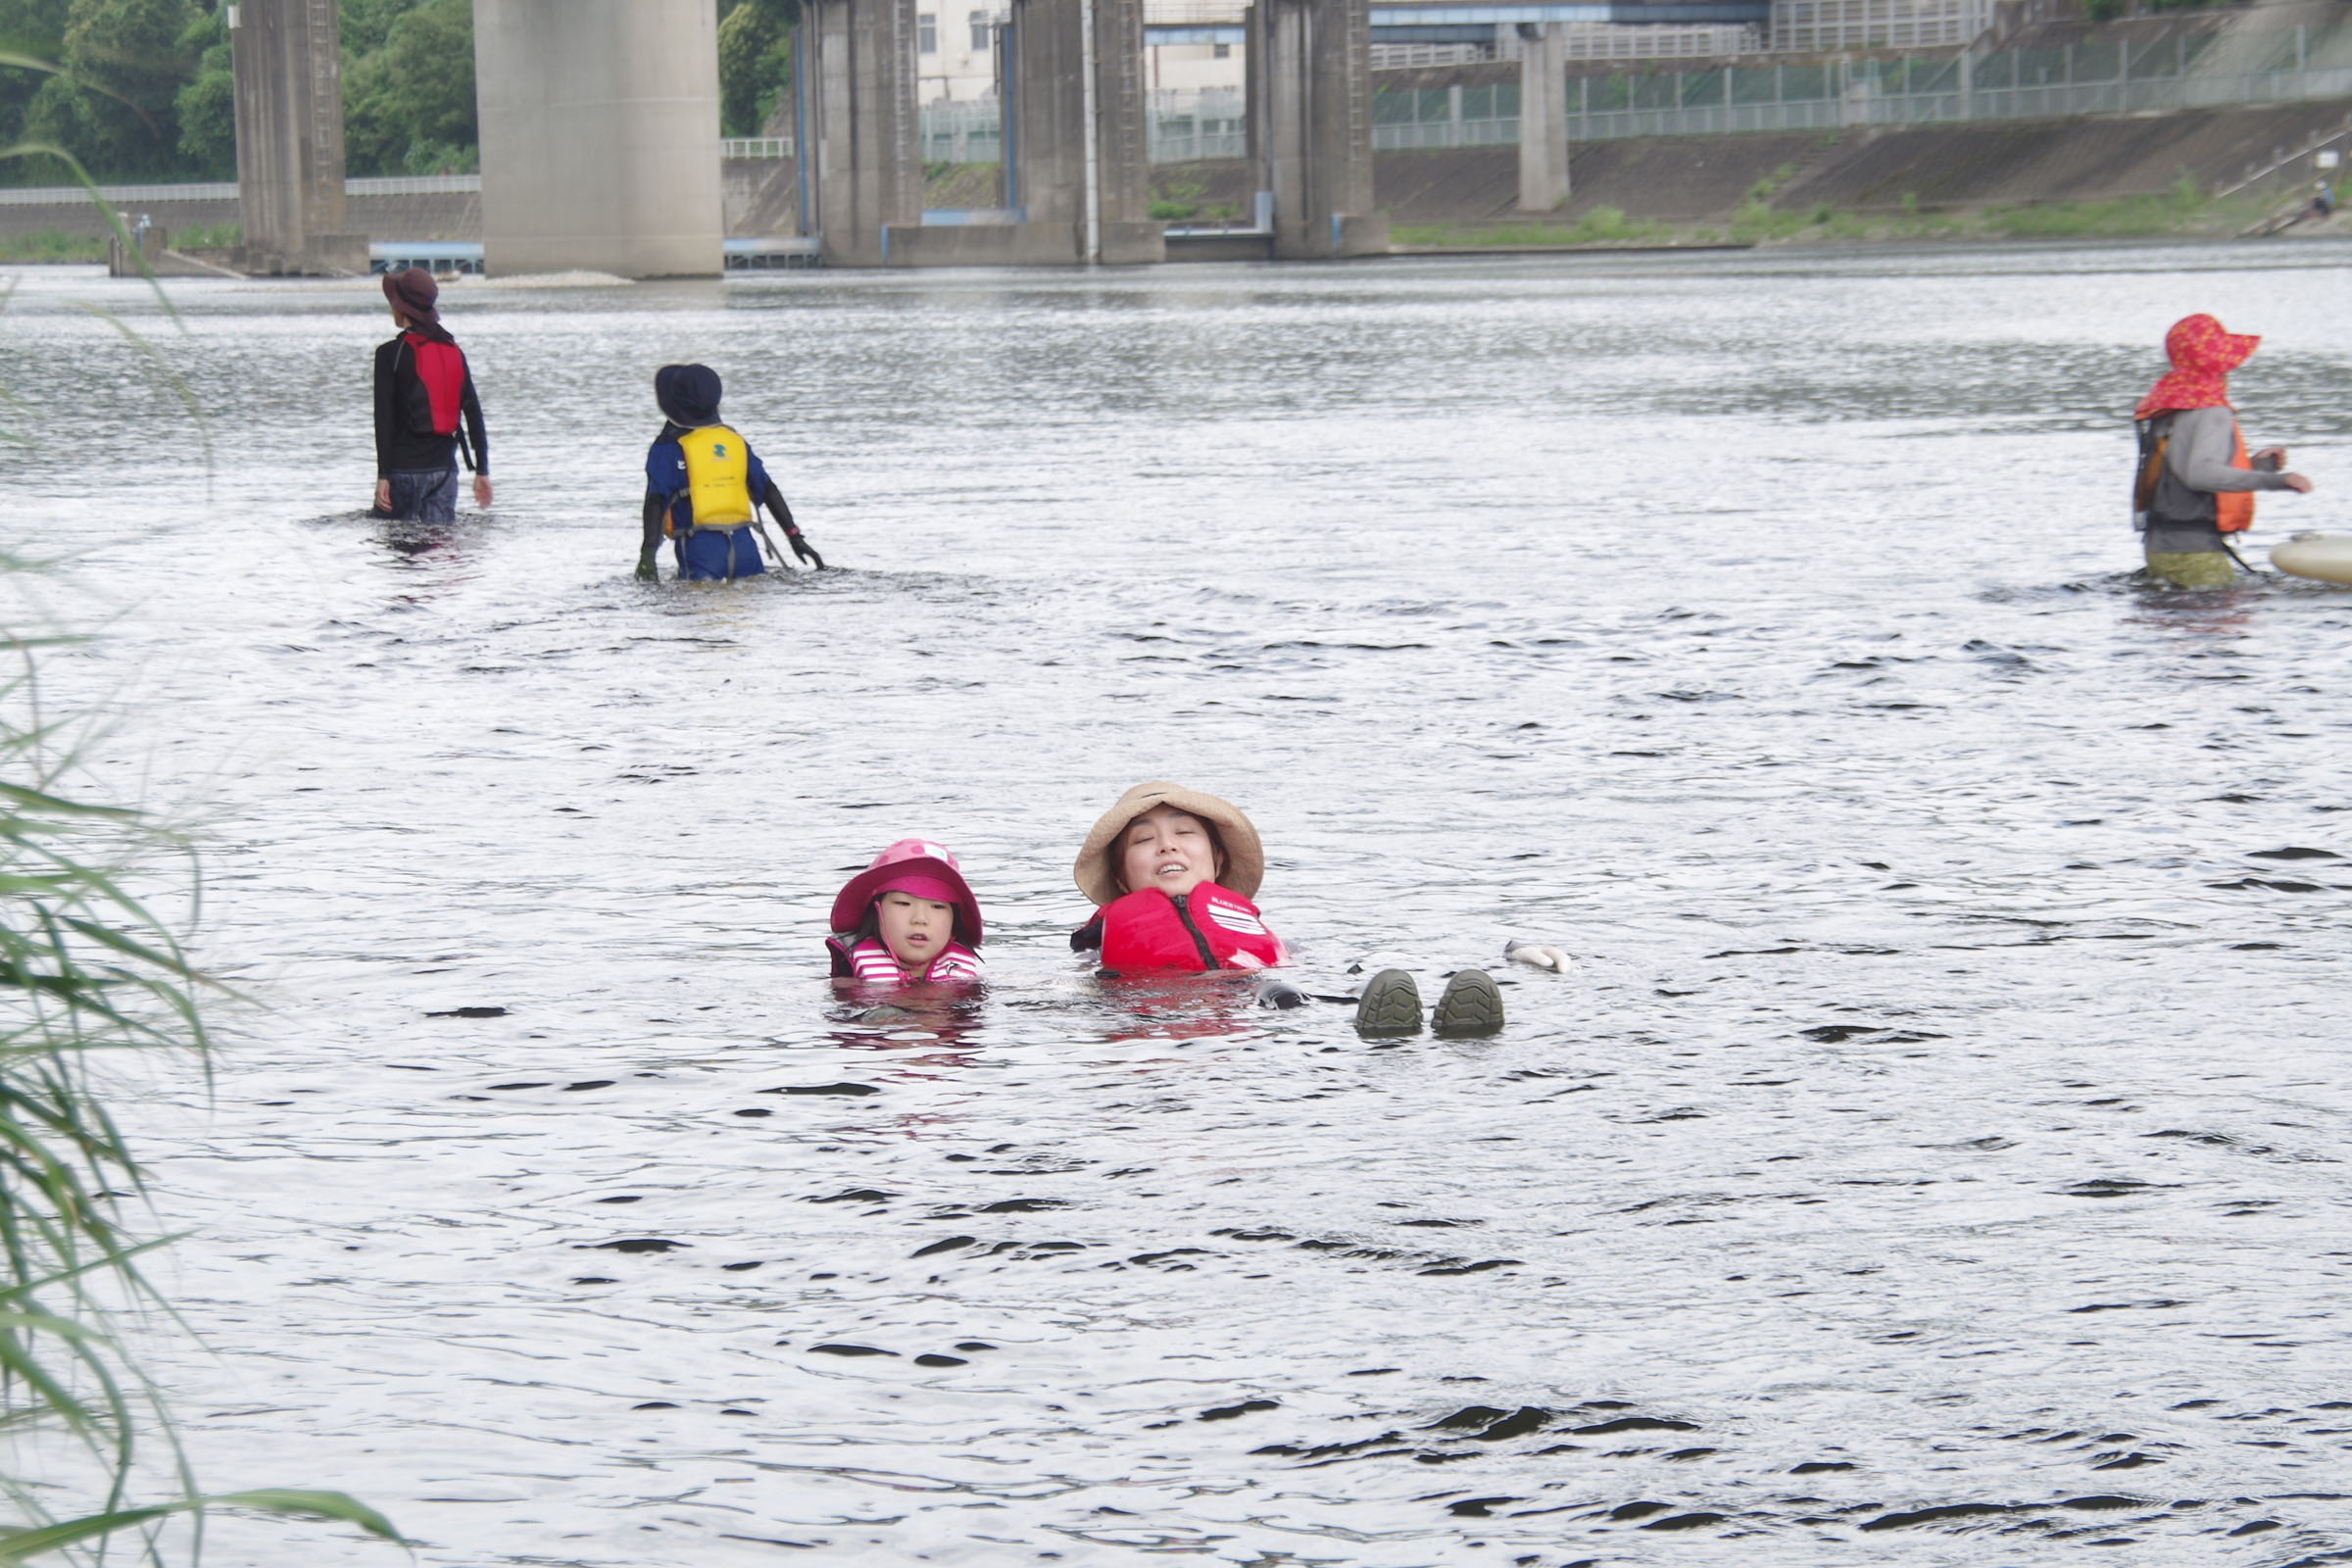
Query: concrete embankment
[2012,163]
[1706,179]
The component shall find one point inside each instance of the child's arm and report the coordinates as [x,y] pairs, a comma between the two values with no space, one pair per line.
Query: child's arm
[2201,446]
[651,547]
[665,476]
[764,492]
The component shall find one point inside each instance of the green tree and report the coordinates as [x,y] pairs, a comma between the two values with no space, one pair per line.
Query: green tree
[755,63]
[35,28]
[115,112]
[366,23]
[408,108]
[207,106]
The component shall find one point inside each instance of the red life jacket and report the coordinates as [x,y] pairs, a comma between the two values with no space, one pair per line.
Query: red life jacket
[441,368]
[1208,928]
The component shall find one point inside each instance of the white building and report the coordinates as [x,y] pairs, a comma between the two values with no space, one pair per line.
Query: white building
[955,53]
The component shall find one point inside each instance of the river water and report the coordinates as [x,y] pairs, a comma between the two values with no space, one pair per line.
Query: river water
[1761,629]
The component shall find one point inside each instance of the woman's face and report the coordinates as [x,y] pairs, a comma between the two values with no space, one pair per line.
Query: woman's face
[1168,849]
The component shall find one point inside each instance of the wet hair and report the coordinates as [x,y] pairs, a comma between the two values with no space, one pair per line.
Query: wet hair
[1117,853]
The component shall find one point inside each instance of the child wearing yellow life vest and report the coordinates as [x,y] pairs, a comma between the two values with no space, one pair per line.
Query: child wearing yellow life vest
[704,486]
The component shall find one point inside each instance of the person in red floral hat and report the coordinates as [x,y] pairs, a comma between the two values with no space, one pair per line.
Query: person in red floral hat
[2197,479]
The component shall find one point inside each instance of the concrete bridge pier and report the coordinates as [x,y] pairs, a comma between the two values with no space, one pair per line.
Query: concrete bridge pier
[600,136]
[288,68]
[1049,107]
[855,111]
[1542,116]
[1310,117]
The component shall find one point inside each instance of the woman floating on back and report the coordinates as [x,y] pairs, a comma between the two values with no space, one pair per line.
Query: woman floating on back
[1171,872]
[2196,481]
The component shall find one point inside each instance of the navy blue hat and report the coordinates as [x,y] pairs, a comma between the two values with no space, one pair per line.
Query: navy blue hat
[688,393]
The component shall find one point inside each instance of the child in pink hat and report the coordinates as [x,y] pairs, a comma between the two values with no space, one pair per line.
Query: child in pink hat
[909,917]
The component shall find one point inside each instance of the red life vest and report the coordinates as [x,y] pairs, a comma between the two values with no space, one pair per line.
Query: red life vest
[441,370]
[1208,928]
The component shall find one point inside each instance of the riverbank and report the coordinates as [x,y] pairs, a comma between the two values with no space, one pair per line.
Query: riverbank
[2115,177]
[2181,212]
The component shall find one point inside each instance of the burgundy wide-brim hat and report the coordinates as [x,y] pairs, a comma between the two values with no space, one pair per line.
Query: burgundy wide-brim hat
[414,294]
[917,866]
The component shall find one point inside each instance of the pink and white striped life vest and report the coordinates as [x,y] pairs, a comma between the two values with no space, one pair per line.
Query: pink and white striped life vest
[870,962]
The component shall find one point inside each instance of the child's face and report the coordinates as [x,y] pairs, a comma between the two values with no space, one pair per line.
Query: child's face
[1168,849]
[915,930]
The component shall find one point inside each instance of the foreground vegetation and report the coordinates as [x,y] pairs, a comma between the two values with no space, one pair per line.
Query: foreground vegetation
[89,979]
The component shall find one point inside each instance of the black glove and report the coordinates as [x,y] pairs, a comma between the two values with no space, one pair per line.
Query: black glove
[1281,994]
[804,548]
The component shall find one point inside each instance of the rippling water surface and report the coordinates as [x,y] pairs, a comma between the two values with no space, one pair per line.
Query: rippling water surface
[1936,1155]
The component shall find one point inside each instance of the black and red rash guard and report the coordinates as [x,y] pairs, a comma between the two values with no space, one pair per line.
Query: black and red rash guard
[400,446]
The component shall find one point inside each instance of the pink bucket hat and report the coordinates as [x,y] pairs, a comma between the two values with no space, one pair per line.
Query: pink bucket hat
[917,866]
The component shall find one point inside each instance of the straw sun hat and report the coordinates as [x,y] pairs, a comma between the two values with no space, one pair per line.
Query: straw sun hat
[1245,857]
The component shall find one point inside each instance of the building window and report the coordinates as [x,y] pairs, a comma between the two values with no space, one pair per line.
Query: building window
[926,33]
[979,33]
[1224,51]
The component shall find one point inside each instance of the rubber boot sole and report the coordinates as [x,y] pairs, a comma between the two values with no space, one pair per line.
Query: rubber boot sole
[1389,1005]
[1470,1006]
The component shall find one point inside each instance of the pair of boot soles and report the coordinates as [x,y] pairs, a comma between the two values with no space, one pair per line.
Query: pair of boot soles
[1391,1006]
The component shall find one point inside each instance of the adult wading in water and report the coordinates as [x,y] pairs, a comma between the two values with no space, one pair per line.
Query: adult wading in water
[423,386]
[2196,482]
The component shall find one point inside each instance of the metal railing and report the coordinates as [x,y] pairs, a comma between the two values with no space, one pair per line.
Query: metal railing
[1180,128]
[755,147]
[2220,71]
[225,190]
[414,185]
[117,195]
[962,133]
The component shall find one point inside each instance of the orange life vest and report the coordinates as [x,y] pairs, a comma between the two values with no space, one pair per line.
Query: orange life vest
[2233,509]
